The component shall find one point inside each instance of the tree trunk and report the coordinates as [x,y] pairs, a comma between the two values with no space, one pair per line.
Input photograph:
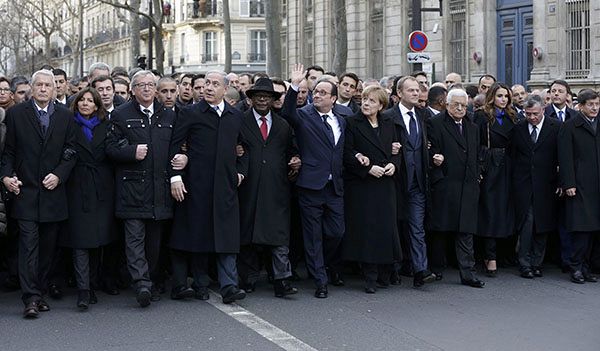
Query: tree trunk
[134,36]
[273,26]
[340,35]
[159,46]
[227,33]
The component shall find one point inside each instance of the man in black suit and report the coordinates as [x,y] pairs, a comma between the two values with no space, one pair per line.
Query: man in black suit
[37,160]
[535,183]
[346,91]
[319,129]
[519,95]
[454,178]
[410,125]
[206,219]
[62,87]
[138,143]
[265,196]
[578,155]
[559,92]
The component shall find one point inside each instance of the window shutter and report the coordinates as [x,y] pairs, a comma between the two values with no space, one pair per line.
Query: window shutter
[244,8]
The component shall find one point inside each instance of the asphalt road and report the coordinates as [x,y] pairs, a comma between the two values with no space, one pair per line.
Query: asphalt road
[510,313]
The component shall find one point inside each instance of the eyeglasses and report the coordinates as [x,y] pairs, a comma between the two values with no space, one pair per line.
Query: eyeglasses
[4,90]
[321,92]
[145,85]
[457,105]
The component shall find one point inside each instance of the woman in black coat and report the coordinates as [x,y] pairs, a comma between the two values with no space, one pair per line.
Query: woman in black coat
[90,193]
[496,217]
[371,236]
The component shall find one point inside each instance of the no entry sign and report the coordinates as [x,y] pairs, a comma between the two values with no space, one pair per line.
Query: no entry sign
[417,41]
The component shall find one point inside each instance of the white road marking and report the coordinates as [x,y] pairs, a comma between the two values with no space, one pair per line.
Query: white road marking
[267,330]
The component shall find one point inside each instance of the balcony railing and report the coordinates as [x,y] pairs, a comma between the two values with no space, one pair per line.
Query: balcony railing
[209,9]
[210,58]
[257,57]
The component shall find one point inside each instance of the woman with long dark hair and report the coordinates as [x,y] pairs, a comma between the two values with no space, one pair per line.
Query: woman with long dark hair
[496,219]
[90,190]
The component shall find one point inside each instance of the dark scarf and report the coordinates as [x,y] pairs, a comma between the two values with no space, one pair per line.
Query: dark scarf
[87,125]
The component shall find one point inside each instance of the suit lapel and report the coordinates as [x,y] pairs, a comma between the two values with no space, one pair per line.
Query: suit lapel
[321,126]
[275,128]
[450,125]
[34,120]
[51,124]
[544,132]
[364,127]
[251,124]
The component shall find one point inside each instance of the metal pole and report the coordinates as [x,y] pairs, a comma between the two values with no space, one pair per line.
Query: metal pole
[150,36]
[416,25]
[80,38]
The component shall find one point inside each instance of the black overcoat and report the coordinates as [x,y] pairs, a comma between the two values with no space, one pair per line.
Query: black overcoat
[535,174]
[496,204]
[265,192]
[579,160]
[370,203]
[31,155]
[90,193]
[454,184]
[143,188]
[208,218]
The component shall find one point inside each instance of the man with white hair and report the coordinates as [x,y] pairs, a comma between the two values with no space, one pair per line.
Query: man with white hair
[454,179]
[37,160]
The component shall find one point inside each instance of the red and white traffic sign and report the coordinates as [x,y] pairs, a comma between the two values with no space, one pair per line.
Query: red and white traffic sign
[417,41]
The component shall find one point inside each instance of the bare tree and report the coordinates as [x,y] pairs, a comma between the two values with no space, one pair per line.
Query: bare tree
[273,24]
[227,33]
[70,33]
[340,33]
[43,18]
[156,21]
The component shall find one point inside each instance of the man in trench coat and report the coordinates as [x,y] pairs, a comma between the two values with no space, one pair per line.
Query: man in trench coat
[206,218]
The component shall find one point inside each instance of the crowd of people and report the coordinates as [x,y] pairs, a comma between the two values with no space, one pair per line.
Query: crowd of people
[134,179]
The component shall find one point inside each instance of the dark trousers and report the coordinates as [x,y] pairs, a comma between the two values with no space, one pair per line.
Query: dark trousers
[142,248]
[37,244]
[372,272]
[463,246]
[198,267]
[581,248]
[296,241]
[532,245]
[249,262]
[86,263]
[405,264]
[416,229]
[322,228]
[490,246]
[12,247]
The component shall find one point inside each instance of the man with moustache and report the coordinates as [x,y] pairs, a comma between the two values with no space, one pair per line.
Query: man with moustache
[535,183]
[265,196]
[454,179]
[166,92]
[578,156]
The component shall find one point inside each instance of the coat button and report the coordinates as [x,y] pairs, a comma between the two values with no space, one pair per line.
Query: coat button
[264,161]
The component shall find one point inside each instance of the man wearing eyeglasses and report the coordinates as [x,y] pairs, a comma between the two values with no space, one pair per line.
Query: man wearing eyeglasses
[138,143]
[319,128]
[6,95]
[454,186]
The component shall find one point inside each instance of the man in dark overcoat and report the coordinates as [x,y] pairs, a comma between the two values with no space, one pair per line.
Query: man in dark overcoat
[265,193]
[454,179]
[37,160]
[206,217]
[534,182]
[138,144]
[579,167]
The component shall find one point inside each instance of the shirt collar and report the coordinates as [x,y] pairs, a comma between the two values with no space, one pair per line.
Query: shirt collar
[539,126]
[45,109]
[220,105]
[258,116]
[564,109]
[404,111]
[151,108]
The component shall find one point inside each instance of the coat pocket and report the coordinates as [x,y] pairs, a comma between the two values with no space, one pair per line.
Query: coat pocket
[133,192]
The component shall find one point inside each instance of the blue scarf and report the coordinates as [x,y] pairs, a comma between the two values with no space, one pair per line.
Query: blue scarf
[499,115]
[87,125]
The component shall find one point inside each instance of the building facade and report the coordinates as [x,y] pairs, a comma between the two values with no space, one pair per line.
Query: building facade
[470,37]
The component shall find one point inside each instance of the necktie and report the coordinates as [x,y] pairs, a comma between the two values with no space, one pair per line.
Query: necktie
[147,112]
[412,128]
[560,116]
[44,120]
[459,126]
[217,110]
[328,129]
[534,135]
[264,128]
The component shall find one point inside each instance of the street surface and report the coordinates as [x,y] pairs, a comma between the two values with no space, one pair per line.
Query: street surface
[510,313]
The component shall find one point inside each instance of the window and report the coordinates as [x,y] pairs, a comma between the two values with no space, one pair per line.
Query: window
[376,39]
[252,8]
[308,35]
[458,36]
[183,51]
[258,46]
[210,47]
[284,53]
[578,39]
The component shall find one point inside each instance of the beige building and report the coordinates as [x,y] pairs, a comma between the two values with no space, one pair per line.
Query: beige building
[471,37]
[193,36]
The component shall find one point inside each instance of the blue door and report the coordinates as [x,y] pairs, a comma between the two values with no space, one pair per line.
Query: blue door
[515,41]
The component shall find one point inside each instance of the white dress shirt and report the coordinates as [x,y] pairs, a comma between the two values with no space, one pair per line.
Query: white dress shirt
[404,112]
[259,122]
